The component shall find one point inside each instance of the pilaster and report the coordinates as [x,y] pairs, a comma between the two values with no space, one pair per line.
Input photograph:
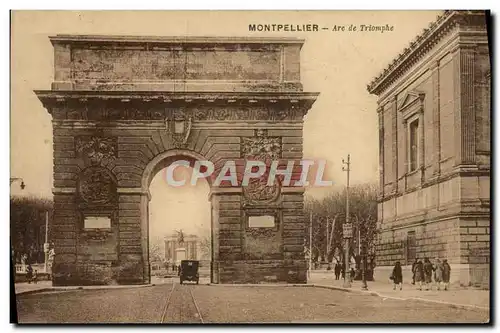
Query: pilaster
[436,117]
[380,111]
[394,116]
[465,144]
[421,138]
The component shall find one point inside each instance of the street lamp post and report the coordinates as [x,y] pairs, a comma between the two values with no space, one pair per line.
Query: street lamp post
[16,178]
[310,242]
[46,244]
[364,286]
[348,226]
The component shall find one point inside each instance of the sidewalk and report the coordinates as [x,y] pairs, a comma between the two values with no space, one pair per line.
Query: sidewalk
[26,288]
[457,296]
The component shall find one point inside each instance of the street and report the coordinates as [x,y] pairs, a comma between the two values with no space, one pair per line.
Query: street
[175,303]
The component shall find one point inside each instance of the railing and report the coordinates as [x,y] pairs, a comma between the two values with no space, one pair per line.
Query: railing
[21,268]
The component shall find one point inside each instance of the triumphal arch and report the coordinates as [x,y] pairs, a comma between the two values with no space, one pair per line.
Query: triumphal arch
[124,108]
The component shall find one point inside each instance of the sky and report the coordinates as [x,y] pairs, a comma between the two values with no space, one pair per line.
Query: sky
[338,65]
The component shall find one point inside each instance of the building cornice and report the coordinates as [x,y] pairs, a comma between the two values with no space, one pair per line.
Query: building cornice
[195,41]
[434,181]
[421,46]
[303,99]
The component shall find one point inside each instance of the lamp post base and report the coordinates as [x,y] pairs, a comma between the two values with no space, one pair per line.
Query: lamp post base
[347,283]
[364,286]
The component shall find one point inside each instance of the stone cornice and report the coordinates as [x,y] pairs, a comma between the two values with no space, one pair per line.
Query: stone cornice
[425,219]
[421,45]
[442,178]
[179,40]
[305,99]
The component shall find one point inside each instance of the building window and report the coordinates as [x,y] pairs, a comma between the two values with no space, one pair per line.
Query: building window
[411,247]
[414,145]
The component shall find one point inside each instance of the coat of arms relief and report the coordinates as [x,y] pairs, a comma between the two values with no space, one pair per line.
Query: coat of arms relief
[266,149]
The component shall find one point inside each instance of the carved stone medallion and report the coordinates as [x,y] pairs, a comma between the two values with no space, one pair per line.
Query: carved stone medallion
[221,114]
[281,114]
[96,149]
[257,190]
[96,185]
[261,113]
[242,114]
[201,114]
[261,146]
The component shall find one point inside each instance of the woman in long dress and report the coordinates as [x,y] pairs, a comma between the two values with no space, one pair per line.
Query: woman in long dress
[446,274]
[438,273]
[397,276]
[428,268]
[419,274]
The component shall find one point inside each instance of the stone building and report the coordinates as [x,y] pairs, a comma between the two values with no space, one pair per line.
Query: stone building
[434,130]
[191,246]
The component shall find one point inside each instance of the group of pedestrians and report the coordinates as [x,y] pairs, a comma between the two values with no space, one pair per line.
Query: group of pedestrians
[339,269]
[424,273]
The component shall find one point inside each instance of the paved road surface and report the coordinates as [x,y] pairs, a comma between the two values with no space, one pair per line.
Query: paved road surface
[174,303]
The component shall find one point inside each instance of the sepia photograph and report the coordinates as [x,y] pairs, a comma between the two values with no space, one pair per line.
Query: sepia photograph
[250,167]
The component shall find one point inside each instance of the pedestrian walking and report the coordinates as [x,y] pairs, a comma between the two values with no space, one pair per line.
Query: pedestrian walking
[413,271]
[35,276]
[50,260]
[446,274]
[29,273]
[337,271]
[397,276]
[438,273]
[419,274]
[352,273]
[428,269]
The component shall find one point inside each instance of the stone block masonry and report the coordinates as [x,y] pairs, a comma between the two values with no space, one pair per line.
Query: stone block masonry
[123,109]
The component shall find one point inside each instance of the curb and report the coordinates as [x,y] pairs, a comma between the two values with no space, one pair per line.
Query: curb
[70,288]
[375,293]
[454,305]
[265,285]
[27,292]
[347,290]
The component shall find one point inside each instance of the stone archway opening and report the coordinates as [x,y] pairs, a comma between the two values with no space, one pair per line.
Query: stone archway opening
[179,223]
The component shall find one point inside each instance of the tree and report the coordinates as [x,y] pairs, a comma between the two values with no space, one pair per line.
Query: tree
[155,250]
[329,215]
[206,246]
[205,242]
[27,227]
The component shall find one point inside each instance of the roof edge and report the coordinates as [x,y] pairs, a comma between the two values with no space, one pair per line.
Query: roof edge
[63,38]
[432,31]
